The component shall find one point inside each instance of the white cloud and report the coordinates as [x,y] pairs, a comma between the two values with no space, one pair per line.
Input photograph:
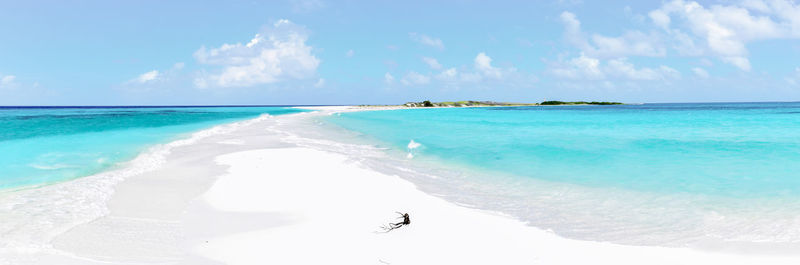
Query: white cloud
[433,63]
[572,29]
[739,61]
[788,12]
[660,18]
[700,72]
[427,40]
[414,78]
[388,78]
[721,30]
[624,69]
[201,80]
[669,72]
[350,53]
[483,64]
[589,68]
[582,67]
[147,77]
[320,83]
[275,54]
[7,81]
[480,72]
[631,43]
[449,75]
[756,5]
[12,87]
[684,44]
[724,30]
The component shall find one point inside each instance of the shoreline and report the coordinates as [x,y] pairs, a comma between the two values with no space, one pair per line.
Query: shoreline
[249,196]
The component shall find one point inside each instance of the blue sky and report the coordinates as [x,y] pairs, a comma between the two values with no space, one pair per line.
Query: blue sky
[383,52]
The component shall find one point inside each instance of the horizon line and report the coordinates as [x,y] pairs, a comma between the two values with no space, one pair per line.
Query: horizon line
[319,105]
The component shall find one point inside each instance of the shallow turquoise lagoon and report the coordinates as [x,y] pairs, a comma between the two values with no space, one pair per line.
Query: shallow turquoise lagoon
[723,149]
[44,145]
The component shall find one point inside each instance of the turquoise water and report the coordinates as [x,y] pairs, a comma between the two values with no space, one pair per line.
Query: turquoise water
[738,150]
[44,145]
[700,175]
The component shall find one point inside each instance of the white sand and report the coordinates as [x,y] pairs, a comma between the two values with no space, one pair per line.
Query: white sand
[249,197]
[333,209]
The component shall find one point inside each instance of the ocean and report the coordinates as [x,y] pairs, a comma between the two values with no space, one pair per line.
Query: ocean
[59,166]
[43,145]
[694,174]
[686,175]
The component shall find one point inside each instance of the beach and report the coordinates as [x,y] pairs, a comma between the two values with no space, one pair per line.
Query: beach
[261,193]
[350,132]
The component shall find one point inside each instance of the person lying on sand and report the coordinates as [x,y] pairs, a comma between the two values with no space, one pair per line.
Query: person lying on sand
[393,226]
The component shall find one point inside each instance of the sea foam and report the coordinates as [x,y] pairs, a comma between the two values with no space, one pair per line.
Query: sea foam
[34,215]
[701,175]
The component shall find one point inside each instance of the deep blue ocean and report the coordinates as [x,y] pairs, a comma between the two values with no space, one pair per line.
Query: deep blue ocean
[40,145]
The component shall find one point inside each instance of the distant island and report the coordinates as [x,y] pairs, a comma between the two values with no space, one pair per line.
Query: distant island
[470,103]
[554,102]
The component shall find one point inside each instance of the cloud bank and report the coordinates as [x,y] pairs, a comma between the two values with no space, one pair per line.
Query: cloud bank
[724,30]
[277,53]
[427,40]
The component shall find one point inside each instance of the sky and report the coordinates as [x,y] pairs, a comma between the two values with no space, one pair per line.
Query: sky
[297,52]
